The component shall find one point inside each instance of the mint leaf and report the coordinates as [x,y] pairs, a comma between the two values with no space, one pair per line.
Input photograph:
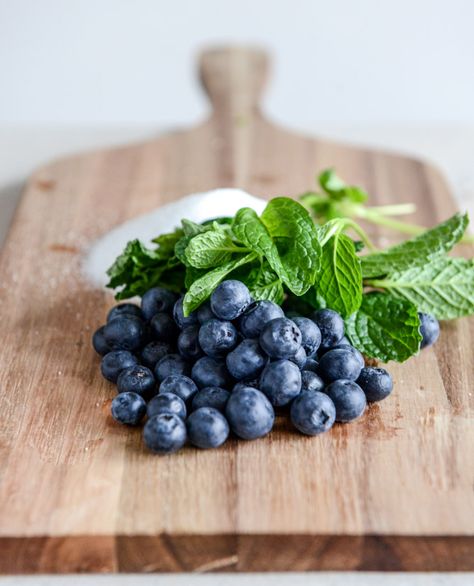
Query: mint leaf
[295,237]
[444,287]
[201,288]
[385,327]
[264,283]
[139,268]
[338,190]
[210,249]
[417,251]
[340,278]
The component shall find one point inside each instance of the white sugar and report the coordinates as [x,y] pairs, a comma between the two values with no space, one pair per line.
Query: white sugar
[197,207]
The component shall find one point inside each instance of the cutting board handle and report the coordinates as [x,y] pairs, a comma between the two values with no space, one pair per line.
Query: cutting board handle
[233,78]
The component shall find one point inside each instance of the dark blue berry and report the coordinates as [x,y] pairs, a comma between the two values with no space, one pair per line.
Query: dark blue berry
[171,364]
[188,343]
[345,346]
[157,300]
[246,361]
[99,343]
[137,379]
[153,352]
[310,381]
[257,315]
[281,382]
[337,364]
[163,328]
[166,403]
[180,385]
[429,329]
[214,397]
[375,382]
[217,337]
[312,413]
[311,364]
[114,362]
[178,314]
[128,408]
[124,309]
[210,372]
[204,312]
[299,358]
[310,334]
[125,333]
[331,326]
[249,413]
[230,299]
[348,398]
[165,433]
[207,428]
[280,338]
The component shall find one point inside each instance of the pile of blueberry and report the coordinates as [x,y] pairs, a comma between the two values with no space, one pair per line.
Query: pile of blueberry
[227,366]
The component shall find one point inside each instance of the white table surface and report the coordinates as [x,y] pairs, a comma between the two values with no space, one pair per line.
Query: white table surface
[22,149]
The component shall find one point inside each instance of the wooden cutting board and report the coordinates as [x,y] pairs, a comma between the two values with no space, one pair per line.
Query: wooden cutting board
[79,493]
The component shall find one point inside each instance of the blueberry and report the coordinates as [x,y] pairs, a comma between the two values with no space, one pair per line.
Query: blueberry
[137,379]
[165,433]
[337,364]
[99,343]
[246,361]
[249,413]
[230,299]
[214,397]
[210,372]
[312,365]
[310,334]
[310,381]
[128,408]
[178,314]
[125,333]
[188,343]
[163,328]
[348,398]
[376,383]
[166,403]
[171,364]
[312,413]
[331,326]
[299,358]
[429,329]
[257,315]
[180,385]
[345,346]
[280,338]
[124,309]
[207,428]
[114,362]
[217,337]
[205,312]
[153,352]
[157,300]
[281,382]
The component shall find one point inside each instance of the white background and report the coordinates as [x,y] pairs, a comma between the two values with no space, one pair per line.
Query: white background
[130,61]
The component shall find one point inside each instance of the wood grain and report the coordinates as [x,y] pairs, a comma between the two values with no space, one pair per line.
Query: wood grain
[80,493]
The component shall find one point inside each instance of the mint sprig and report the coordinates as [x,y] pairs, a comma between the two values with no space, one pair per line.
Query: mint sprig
[284,254]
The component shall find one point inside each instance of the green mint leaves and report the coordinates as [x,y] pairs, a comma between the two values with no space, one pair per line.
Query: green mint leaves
[385,327]
[417,251]
[284,254]
[444,287]
[340,278]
